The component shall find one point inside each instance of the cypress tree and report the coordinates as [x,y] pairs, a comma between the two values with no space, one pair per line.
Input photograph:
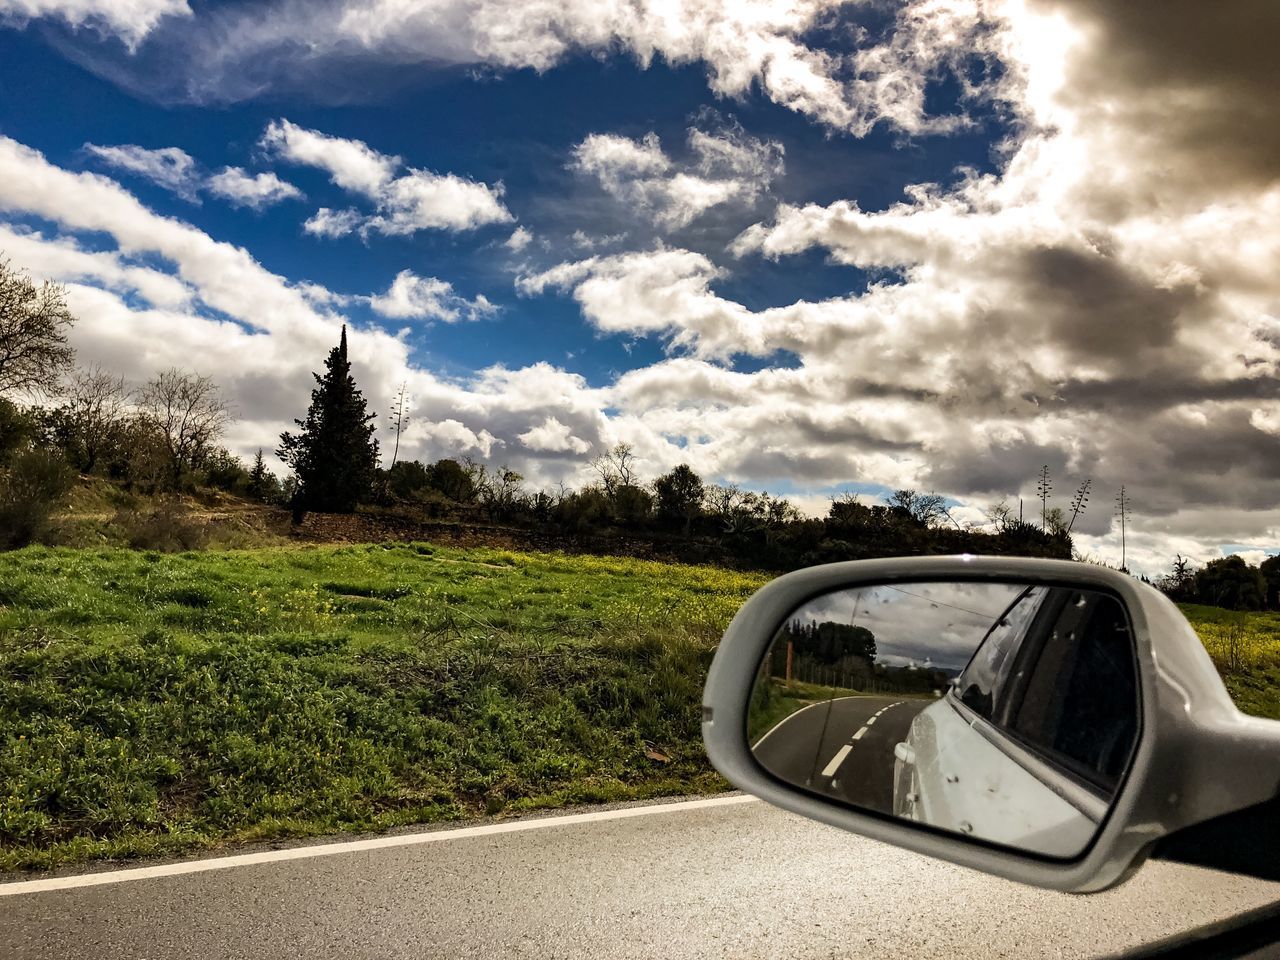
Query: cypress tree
[334,455]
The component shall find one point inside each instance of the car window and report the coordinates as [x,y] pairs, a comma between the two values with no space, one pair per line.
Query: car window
[1078,704]
[980,682]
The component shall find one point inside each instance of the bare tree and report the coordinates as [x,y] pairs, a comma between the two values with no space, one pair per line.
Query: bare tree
[616,467]
[1000,515]
[189,412]
[33,333]
[96,409]
[926,508]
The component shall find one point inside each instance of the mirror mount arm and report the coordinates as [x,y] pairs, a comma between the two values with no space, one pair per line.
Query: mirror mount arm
[1244,842]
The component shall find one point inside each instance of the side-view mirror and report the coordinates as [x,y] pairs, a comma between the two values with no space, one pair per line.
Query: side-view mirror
[1046,721]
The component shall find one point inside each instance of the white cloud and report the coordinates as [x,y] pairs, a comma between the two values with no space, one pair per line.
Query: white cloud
[416,200]
[220,312]
[66,261]
[552,436]
[332,223]
[746,47]
[520,238]
[255,191]
[131,20]
[1104,302]
[351,164]
[168,167]
[725,166]
[584,241]
[428,298]
[176,170]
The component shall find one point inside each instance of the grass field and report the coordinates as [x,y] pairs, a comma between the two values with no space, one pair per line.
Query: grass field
[152,703]
[1246,649]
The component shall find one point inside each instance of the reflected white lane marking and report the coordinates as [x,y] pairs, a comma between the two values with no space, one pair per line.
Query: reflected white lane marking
[872,720]
[372,843]
[821,703]
[830,769]
[858,735]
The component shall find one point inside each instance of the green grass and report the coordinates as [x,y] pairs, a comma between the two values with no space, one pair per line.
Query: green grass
[151,703]
[1245,647]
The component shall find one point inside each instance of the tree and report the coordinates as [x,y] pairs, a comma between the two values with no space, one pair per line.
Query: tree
[1000,515]
[1232,583]
[405,478]
[334,455]
[924,508]
[1270,570]
[616,468]
[34,322]
[263,484]
[1055,521]
[189,413]
[680,494]
[1180,583]
[452,479]
[18,429]
[90,423]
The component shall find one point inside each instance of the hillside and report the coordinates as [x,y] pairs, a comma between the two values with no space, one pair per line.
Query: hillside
[155,702]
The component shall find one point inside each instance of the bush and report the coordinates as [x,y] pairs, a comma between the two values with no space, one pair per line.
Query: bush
[453,480]
[29,490]
[224,471]
[406,478]
[168,527]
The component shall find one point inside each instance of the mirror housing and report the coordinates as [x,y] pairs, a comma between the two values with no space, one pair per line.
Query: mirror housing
[1197,756]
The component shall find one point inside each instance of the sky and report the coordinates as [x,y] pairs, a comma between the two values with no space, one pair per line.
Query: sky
[937,625]
[810,247]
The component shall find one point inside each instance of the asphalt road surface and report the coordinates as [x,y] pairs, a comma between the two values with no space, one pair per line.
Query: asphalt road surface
[842,747]
[725,878]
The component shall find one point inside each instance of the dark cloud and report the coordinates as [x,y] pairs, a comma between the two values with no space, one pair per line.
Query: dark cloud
[1196,83]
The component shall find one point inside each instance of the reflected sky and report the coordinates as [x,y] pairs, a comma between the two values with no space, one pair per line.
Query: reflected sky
[936,625]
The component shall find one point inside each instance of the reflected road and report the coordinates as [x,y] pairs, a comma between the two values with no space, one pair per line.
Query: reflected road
[842,747]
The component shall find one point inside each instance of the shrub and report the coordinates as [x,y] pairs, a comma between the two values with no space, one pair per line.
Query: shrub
[168,527]
[29,490]
[224,471]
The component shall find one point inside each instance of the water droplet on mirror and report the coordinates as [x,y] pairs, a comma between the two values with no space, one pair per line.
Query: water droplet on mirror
[913,798]
[966,826]
[952,778]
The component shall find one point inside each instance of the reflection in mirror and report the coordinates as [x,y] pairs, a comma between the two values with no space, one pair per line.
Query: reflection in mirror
[1005,712]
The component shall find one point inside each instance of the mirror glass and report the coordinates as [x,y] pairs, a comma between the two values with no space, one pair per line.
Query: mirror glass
[1005,712]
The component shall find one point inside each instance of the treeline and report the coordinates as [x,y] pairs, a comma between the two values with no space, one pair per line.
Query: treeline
[165,437]
[1231,582]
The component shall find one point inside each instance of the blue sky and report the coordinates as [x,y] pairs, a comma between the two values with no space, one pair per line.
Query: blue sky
[518,129]
[807,246]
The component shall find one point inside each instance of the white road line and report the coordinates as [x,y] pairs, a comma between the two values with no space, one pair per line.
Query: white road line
[834,765]
[858,735]
[356,846]
[872,720]
[820,703]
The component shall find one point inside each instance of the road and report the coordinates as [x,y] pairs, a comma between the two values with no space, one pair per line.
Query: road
[842,747]
[729,878]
